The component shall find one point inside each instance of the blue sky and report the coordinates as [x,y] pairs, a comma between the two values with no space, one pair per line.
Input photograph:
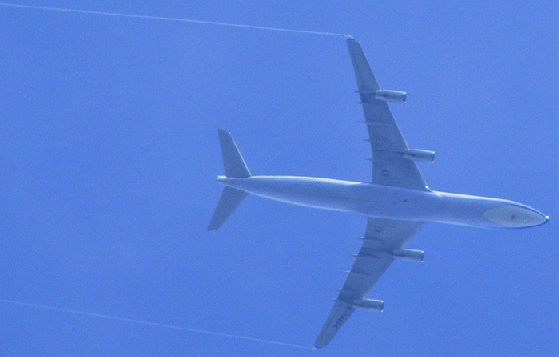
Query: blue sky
[108,153]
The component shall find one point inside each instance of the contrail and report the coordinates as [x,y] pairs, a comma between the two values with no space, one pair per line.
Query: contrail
[147,323]
[161,18]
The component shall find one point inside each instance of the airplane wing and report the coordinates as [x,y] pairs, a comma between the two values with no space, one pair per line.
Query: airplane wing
[383,237]
[390,167]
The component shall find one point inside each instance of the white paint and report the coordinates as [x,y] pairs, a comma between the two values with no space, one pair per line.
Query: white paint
[389,202]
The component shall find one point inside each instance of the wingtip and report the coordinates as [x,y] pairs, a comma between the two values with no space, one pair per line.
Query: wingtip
[348,38]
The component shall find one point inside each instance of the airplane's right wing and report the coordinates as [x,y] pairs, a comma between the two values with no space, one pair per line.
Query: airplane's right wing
[390,167]
[383,239]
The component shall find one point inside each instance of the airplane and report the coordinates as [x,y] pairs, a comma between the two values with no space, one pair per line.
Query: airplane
[397,202]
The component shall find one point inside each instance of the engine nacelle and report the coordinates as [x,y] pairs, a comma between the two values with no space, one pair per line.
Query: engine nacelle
[420,155]
[391,95]
[415,255]
[368,304]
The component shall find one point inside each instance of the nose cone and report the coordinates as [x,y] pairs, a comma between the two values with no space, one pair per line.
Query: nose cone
[513,216]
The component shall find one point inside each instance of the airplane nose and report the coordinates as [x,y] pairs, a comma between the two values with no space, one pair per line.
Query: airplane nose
[513,216]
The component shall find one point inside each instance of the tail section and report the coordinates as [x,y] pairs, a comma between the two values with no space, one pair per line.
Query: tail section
[232,160]
[235,166]
[230,199]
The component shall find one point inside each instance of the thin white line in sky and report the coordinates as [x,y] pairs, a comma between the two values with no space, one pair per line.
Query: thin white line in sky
[147,323]
[161,18]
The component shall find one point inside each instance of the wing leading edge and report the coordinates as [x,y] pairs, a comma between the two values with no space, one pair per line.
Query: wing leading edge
[382,236]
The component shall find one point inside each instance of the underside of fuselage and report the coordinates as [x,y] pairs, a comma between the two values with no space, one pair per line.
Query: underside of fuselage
[379,201]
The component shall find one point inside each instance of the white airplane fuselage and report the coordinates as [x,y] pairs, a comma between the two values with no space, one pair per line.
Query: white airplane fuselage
[379,201]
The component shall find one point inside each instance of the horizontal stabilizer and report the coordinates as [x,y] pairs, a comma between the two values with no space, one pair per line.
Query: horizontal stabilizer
[234,163]
[230,199]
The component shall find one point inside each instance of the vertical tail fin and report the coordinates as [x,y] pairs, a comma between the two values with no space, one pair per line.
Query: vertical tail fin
[235,166]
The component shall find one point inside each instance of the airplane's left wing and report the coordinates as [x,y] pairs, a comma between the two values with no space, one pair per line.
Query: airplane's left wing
[384,240]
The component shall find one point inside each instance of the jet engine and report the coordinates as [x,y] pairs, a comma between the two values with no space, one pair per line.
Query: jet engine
[415,255]
[420,155]
[368,304]
[391,95]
